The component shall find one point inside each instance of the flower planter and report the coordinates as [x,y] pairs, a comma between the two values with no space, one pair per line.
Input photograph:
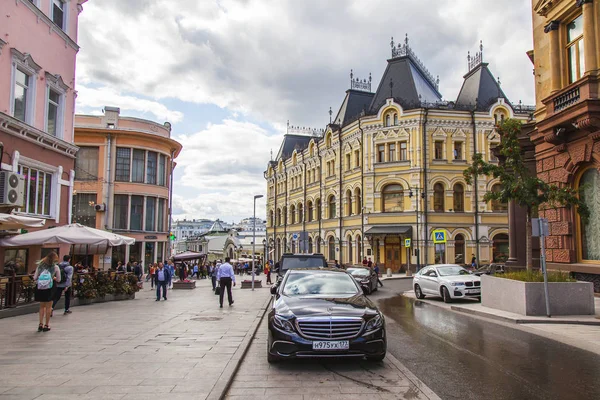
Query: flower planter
[528,298]
[184,285]
[248,284]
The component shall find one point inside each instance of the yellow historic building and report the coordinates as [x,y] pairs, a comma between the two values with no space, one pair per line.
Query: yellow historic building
[389,167]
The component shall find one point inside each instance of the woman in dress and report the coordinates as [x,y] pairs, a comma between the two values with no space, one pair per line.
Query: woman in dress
[47,274]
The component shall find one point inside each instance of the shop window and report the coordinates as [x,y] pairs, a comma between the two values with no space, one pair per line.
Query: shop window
[459,249]
[590,195]
[439,150]
[403,151]
[84,212]
[120,211]
[38,191]
[331,206]
[86,164]
[392,152]
[459,198]
[381,153]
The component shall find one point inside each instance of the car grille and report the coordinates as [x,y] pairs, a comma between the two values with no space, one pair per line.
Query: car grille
[329,328]
[471,284]
[477,283]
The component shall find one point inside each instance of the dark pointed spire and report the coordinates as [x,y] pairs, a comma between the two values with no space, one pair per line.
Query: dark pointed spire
[330,114]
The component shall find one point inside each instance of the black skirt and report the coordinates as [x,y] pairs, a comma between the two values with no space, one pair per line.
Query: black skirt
[44,295]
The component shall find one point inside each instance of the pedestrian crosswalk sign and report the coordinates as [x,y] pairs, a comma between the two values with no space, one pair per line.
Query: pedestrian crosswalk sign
[439,236]
[406,242]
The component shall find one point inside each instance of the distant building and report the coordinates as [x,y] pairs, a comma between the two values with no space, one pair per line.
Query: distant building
[123,183]
[388,171]
[188,231]
[249,224]
[38,49]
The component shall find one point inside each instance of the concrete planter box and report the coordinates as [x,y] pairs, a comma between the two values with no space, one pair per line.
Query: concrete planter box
[184,285]
[248,284]
[527,298]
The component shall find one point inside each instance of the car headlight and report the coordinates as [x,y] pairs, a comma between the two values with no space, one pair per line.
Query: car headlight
[364,281]
[458,284]
[374,324]
[283,323]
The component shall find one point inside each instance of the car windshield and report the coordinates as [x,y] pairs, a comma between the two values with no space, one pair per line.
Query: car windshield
[358,271]
[452,271]
[320,283]
[302,262]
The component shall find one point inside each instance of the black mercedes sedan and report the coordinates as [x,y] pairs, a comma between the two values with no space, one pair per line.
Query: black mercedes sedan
[323,313]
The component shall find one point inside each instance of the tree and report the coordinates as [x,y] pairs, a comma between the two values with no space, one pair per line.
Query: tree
[518,184]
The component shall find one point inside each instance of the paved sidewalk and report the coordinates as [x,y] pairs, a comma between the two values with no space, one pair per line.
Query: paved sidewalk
[580,331]
[182,348]
[319,379]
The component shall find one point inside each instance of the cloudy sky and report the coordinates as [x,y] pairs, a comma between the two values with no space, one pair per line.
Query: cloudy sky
[229,74]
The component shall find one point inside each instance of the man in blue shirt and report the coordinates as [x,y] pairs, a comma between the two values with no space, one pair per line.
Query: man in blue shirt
[226,275]
[162,279]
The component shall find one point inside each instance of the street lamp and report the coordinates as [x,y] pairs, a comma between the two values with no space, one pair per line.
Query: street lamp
[258,196]
[410,194]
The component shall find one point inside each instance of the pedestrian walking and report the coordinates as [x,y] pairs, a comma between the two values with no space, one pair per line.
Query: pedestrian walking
[151,274]
[64,284]
[473,261]
[226,276]
[163,279]
[137,271]
[213,275]
[268,273]
[46,275]
[365,262]
[171,267]
[376,269]
[195,271]
[370,263]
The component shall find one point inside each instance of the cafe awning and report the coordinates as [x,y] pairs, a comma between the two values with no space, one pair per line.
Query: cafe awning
[390,229]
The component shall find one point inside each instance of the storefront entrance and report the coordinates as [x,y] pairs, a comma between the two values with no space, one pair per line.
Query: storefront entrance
[393,254]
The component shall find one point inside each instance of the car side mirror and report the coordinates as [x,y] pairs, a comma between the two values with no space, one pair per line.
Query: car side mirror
[274,289]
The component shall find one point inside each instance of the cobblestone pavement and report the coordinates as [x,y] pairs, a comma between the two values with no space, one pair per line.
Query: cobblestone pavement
[138,349]
[319,379]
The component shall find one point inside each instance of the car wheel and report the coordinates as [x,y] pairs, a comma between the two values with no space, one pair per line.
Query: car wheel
[376,358]
[418,292]
[446,295]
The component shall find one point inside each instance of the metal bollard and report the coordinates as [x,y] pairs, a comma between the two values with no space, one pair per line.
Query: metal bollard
[389,272]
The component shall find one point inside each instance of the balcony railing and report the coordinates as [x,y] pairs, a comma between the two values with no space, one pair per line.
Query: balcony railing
[566,99]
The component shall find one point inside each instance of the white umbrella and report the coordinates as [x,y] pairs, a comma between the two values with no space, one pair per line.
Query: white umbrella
[13,221]
[68,234]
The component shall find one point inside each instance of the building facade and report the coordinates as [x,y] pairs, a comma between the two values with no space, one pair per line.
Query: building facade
[38,49]
[389,167]
[567,131]
[187,231]
[123,183]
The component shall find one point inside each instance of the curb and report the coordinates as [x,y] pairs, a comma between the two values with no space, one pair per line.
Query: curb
[523,320]
[416,381]
[222,385]
[393,278]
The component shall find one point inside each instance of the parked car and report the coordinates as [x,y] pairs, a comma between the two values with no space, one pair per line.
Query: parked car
[365,276]
[291,261]
[323,312]
[490,269]
[450,281]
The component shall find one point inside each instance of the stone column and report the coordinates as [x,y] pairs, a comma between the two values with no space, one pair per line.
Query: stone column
[552,29]
[589,39]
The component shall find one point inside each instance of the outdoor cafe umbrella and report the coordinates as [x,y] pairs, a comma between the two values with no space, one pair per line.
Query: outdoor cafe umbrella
[13,221]
[68,234]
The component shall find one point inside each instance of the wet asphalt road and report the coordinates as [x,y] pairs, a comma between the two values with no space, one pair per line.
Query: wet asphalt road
[460,357]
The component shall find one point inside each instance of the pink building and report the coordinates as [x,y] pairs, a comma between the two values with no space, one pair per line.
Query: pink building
[38,49]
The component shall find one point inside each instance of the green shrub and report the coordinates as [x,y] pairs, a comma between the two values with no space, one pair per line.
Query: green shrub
[537,276]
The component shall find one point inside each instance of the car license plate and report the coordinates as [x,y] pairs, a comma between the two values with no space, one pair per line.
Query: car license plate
[337,345]
[474,291]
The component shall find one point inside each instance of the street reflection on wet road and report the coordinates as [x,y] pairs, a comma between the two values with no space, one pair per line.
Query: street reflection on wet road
[462,357]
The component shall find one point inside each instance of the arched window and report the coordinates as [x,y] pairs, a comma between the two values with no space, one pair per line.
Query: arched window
[392,198]
[318,215]
[395,119]
[438,197]
[358,201]
[500,250]
[387,120]
[311,151]
[309,211]
[459,249]
[358,248]
[328,140]
[300,212]
[459,198]
[331,247]
[294,159]
[590,195]
[278,222]
[349,210]
[497,205]
[350,251]
[310,245]
[293,214]
[331,206]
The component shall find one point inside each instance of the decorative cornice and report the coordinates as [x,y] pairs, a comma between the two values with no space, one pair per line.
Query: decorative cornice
[552,26]
[542,7]
[14,127]
[57,80]
[26,59]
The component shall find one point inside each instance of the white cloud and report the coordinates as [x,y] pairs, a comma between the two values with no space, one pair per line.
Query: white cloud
[106,96]
[223,169]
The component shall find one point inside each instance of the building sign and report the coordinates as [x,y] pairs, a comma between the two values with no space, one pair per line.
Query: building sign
[150,237]
[406,242]
[439,236]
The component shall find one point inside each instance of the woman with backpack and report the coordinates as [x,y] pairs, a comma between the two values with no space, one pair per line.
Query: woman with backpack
[47,274]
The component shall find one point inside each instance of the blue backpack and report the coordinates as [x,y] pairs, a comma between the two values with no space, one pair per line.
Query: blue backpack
[45,280]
